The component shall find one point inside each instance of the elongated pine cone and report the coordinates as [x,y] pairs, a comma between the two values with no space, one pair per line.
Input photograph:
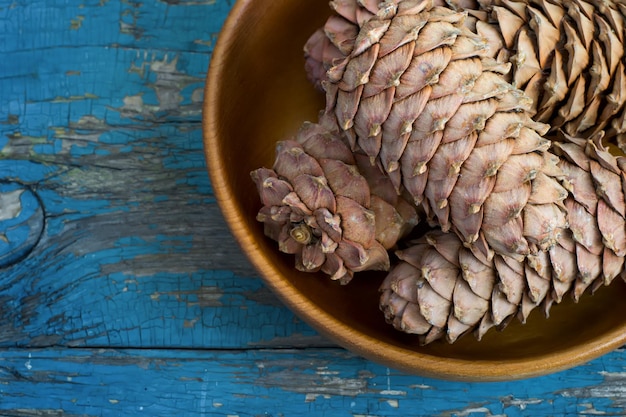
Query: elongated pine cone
[441,290]
[319,206]
[427,98]
[566,55]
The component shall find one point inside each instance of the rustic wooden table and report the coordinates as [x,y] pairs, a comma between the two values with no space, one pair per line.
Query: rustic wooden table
[122,292]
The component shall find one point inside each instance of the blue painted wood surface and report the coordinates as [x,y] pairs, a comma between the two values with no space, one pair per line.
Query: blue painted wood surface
[122,292]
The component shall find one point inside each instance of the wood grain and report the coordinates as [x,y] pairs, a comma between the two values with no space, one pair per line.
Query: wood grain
[122,291]
[247,383]
[105,131]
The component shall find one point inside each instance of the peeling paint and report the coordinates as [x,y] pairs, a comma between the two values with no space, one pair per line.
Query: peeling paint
[393,403]
[420,386]
[71,98]
[613,375]
[207,382]
[77,22]
[22,222]
[324,371]
[209,296]
[129,20]
[190,323]
[203,296]
[392,392]
[313,397]
[10,204]
[11,119]
[482,410]
[168,86]
[210,42]
[313,385]
[589,409]
[522,404]
[612,388]
[42,412]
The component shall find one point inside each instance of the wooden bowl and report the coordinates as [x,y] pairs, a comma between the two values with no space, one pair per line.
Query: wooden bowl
[257,94]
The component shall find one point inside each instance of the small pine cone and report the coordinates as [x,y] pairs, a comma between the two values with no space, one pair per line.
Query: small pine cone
[442,290]
[423,94]
[319,206]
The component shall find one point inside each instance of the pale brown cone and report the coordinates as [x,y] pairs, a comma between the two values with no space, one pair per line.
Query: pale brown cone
[422,92]
[566,55]
[480,294]
[319,206]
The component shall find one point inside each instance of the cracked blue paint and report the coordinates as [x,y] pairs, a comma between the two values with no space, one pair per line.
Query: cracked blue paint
[100,111]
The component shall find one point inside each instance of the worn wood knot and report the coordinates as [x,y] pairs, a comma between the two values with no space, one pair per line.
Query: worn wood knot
[22,221]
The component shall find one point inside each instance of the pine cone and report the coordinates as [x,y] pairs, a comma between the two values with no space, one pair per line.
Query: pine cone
[422,92]
[441,290]
[318,205]
[567,56]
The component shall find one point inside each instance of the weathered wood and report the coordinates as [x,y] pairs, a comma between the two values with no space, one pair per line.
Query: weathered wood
[53,382]
[121,289]
[104,132]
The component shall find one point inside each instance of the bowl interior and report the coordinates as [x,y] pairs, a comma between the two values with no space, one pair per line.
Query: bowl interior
[257,93]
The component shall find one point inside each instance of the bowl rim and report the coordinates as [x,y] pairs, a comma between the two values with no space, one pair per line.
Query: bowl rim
[353,340]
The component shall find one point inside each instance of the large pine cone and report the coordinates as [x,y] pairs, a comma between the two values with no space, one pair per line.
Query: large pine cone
[319,205]
[420,91]
[566,55]
[574,77]
[441,290]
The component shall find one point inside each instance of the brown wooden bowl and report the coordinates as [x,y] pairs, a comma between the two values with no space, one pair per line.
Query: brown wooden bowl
[257,94]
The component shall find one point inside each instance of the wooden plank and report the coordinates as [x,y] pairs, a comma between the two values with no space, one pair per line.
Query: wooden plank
[112,239]
[113,236]
[85,382]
